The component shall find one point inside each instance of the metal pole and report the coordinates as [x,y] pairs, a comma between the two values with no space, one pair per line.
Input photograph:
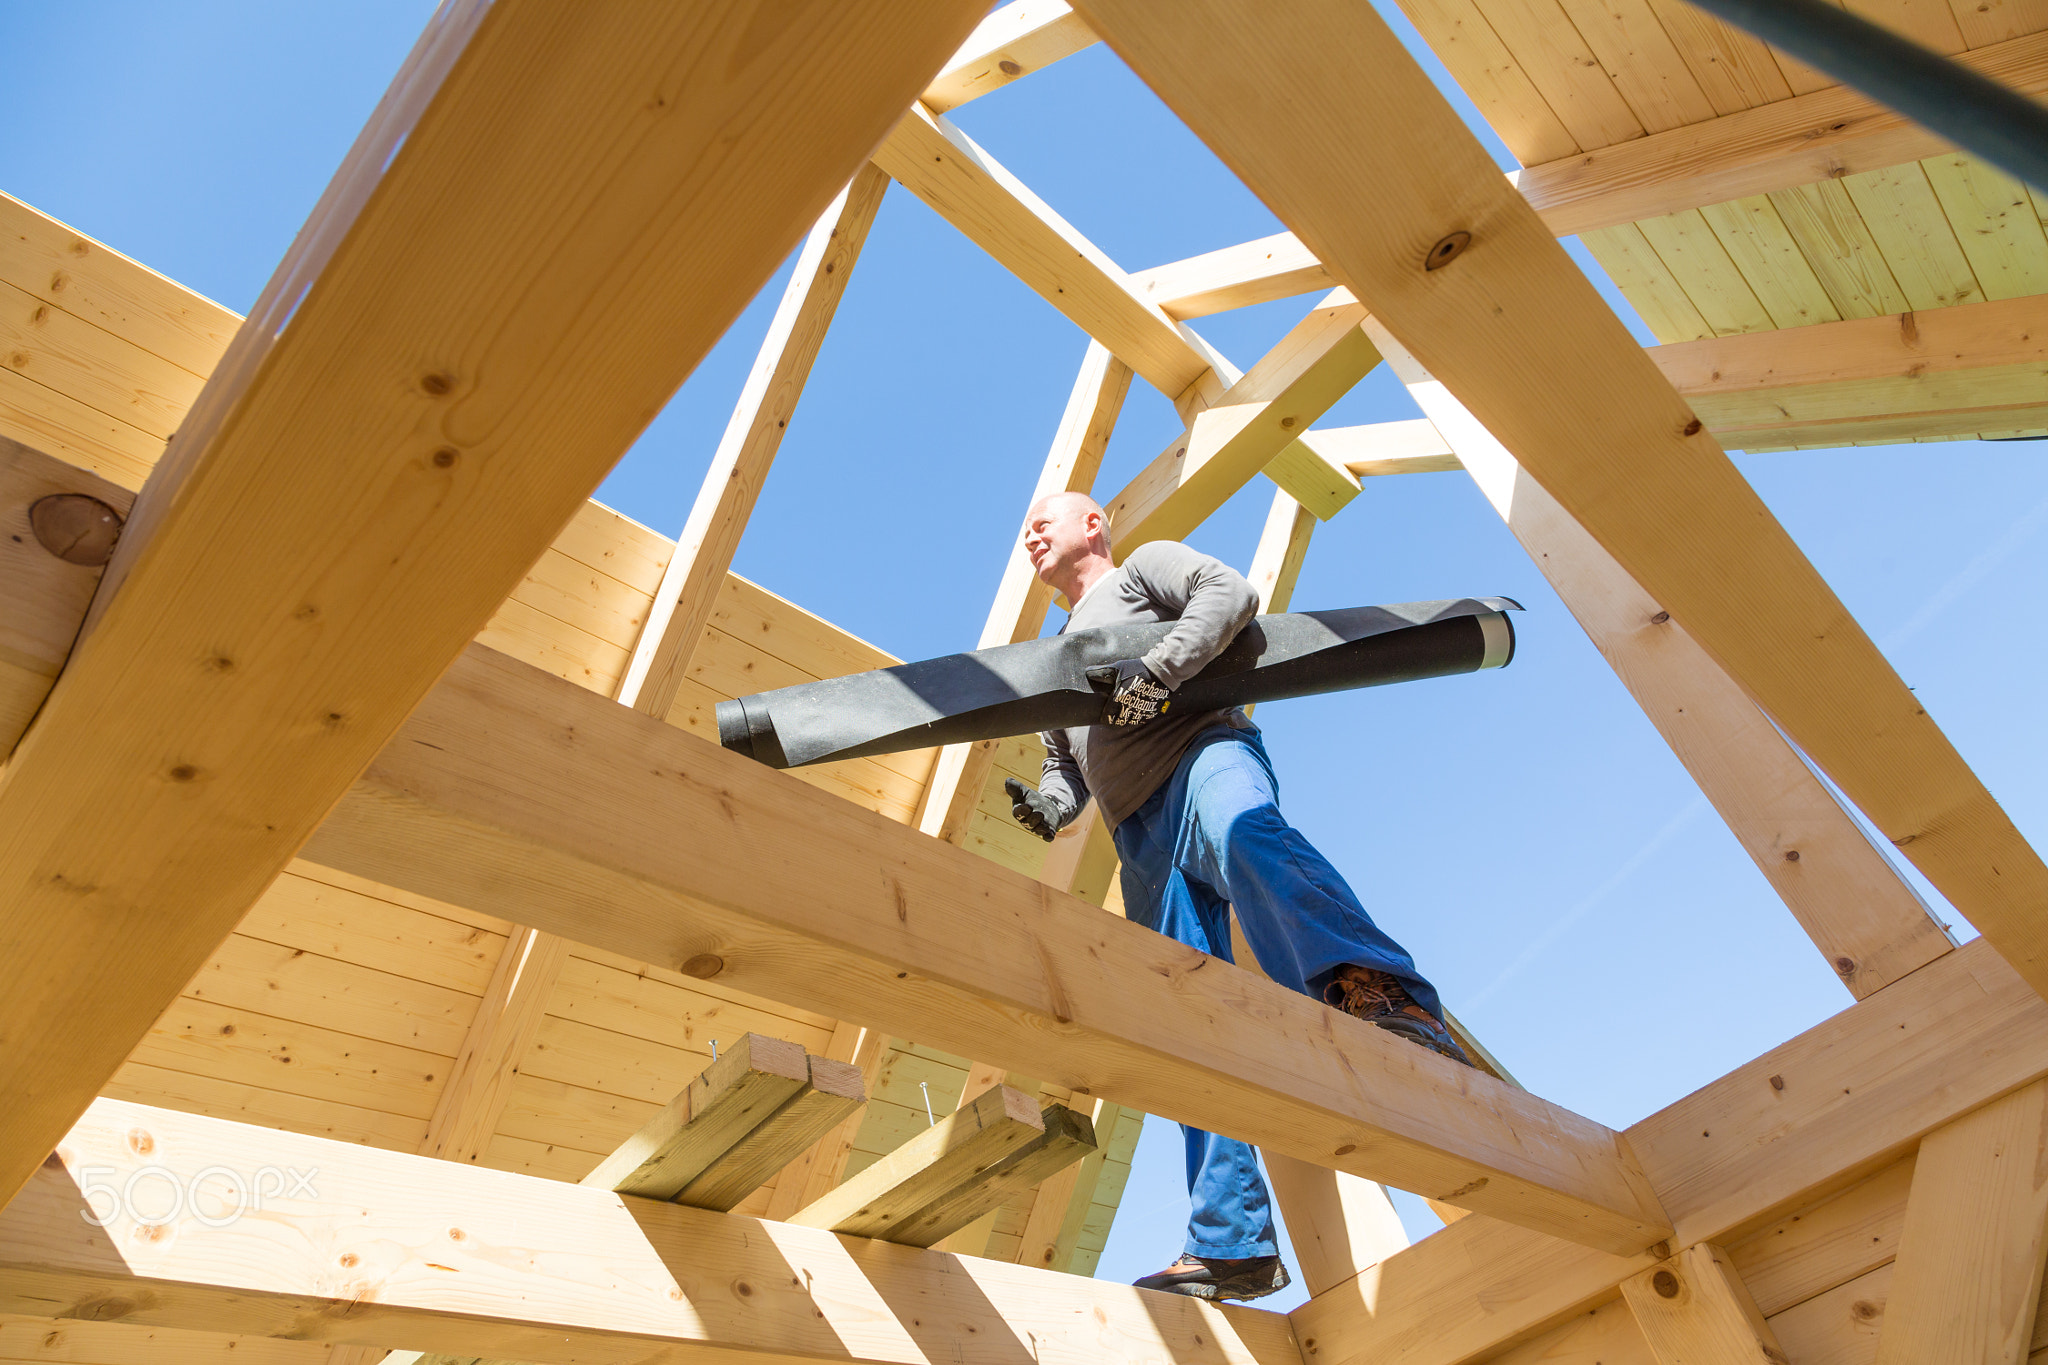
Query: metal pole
[1973,111]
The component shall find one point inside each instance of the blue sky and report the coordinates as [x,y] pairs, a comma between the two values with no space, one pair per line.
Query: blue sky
[1525,832]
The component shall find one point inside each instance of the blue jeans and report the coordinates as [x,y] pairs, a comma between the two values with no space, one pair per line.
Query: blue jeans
[1213,838]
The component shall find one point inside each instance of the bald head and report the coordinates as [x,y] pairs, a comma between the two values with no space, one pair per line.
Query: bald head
[1067,537]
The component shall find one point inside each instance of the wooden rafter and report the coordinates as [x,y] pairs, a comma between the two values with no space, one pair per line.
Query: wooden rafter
[1847,1096]
[1516,333]
[1018,612]
[1016,40]
[1867,922]
[704,551]
[221,701]
[1694,1310]
[396,1250]
[507,767]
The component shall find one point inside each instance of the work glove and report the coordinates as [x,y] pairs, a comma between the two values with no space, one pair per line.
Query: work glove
[1131,695]
[1034,810]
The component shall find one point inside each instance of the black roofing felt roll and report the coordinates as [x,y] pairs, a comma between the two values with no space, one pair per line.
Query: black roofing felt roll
[1040,684]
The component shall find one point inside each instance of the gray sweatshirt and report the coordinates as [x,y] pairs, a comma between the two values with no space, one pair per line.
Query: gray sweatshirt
[1162,580]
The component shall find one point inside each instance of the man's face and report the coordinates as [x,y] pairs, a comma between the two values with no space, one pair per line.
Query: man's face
[1056,536]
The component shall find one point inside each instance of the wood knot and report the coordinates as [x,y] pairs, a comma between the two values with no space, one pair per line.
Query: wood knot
[1009,68]
[1661,618]
[1346,1150]
[704,966]
[1665,1283]
[1791,855]
[1447,250]
[436,383]
[445,458]
[1694,427]
[140,1142]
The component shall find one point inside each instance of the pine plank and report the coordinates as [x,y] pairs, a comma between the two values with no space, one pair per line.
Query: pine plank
[1014,41]
[336,922]
[640,1005]
[549,1111]
[42,342]
[1913,233]
[1768,257]
[1840,1327]
[532,636]
[1995,222]
[1824,222]
[1735,70]
[290,983]
[64,267]
[1564,69]
[1818,1249]
[295,1057]
[1642,62]
[1930,23]
[1967,1280]
[194,1093]
[611,542]
[1507,98]
[1646,282]
[57,424]
[1697,260]
[1992,21]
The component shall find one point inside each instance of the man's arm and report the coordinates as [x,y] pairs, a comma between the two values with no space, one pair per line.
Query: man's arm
[1061,793]
[1214,602]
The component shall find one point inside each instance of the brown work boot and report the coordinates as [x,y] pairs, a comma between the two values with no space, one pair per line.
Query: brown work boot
[1379,998]
[1207,1277]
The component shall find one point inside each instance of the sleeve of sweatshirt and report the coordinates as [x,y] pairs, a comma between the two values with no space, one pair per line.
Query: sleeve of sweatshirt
[1212,600]
[1061,778]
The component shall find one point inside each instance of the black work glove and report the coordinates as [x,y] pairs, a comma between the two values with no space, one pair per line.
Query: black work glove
[1131,695]
[1034,810]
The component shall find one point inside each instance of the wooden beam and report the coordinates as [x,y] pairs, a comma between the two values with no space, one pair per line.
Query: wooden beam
[1824,135]
[513,788]
[815,1173]
[508,1019]
[1275,267]
[456,349]
[1868,923]
[1967,1281]
[1018,39]
[1412,446]
[1018,612]
[1975,367]
[703,554]
[941,165]
[962,1167]
[390,1249]
[1259,424]
[1845,1099]
[46,593]
[740,1121]
[1694,1310]
[1514,330]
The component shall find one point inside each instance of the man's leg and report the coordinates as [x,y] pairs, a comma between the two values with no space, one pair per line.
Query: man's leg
[1300,917]
[1231,1217]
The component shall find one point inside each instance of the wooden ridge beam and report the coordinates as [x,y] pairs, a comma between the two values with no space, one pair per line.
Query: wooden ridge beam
[1016,40]
[1867,921]
[1512,328]
[941,165]
[1823,135]
[514,789]
[452,355]
[696,571]
[968,1164]
[743,1118]
[1843,1100]
[1259,424]
[387,1249]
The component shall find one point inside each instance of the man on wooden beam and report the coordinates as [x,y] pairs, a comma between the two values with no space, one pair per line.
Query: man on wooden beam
[1193,804]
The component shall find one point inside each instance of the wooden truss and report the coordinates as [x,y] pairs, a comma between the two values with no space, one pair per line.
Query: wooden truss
[365,757]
